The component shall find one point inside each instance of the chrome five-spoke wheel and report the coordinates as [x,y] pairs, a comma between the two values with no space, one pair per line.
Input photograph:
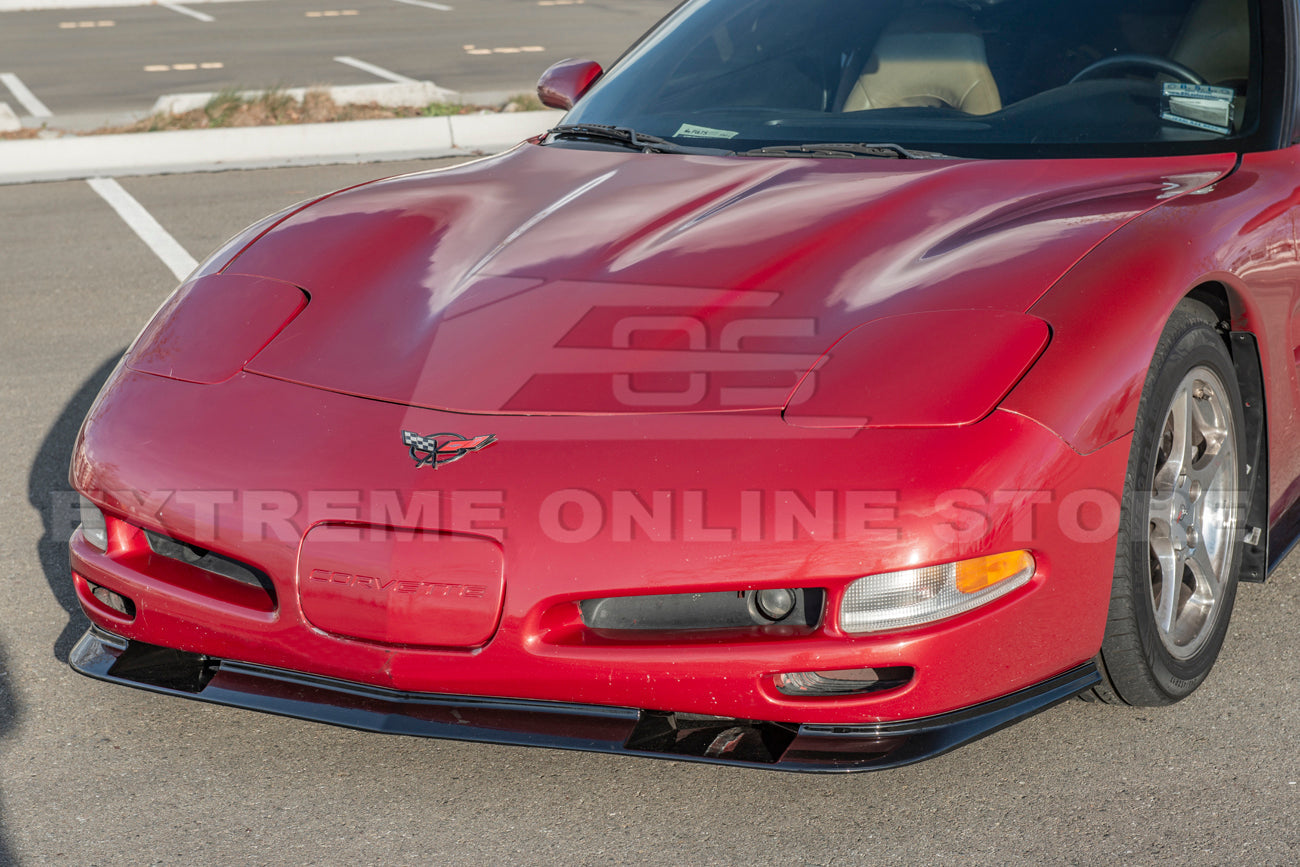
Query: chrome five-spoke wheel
[1192,513]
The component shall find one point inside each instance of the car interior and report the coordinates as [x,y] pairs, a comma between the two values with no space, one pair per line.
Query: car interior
[945,71]
[935,55]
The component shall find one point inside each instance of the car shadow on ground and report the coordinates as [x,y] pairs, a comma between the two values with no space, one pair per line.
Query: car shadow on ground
[9,714]
[51,496]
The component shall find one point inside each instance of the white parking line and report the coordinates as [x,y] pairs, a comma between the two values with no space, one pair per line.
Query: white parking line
[184,67]
[167,248]
[523,49]
[176,7]
[376,70]
[426,4]
[9,121]
[34,106]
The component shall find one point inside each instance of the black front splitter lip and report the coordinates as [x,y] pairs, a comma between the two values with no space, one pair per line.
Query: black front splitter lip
[820,748]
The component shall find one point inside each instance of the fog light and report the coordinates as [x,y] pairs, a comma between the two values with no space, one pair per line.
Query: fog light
[914,596]
[775,604]
[93,526]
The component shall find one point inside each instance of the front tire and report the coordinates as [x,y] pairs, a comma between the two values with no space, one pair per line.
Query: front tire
[1180,536]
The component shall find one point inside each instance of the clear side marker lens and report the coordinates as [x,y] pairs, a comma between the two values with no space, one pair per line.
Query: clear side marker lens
[93,526]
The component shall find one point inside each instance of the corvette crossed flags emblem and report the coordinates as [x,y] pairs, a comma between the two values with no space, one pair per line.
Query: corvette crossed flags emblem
[436,450]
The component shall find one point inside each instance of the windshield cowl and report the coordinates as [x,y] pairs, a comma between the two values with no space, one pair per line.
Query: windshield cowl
[846,149]
[623,137]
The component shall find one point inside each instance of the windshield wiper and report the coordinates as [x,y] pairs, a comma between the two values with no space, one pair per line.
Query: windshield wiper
[644,142]
[846,149]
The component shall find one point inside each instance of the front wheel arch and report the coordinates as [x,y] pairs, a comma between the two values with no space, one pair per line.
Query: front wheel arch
[1229,308]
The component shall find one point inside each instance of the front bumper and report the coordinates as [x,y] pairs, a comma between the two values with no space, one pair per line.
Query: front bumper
[212,466]
[821,747]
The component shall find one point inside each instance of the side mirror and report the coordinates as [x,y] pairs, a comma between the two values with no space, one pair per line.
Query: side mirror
[565,82]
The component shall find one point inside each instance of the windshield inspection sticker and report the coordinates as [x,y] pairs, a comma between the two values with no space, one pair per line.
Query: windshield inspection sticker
[1198,105]
[690,130]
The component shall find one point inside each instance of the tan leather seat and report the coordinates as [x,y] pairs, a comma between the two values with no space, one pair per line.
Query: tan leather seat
[927,57]
[1215,41]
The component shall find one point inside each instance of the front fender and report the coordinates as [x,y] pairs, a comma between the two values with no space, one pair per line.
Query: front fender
[1108,311]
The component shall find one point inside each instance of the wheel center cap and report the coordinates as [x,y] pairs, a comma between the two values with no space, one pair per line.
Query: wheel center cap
[1184,514]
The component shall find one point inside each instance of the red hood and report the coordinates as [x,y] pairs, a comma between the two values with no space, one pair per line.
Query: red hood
[552,280]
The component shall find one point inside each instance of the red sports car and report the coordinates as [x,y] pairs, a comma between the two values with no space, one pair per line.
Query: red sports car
[841,381]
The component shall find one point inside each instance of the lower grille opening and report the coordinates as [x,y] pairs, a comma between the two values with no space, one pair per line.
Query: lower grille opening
[722,738]
[843,682]
[208,561]
[112,599]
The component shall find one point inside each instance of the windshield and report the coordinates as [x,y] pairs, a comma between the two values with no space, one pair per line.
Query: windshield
[980,77]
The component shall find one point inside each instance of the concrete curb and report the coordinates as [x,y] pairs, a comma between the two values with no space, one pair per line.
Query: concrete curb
[207,150]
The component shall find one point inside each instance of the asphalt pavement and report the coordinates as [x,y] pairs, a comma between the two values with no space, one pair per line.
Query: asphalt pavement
[98,774]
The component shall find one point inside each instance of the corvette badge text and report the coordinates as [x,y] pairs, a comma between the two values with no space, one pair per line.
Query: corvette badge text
[395,585]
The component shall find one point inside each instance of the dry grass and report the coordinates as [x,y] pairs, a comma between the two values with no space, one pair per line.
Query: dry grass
[229,109]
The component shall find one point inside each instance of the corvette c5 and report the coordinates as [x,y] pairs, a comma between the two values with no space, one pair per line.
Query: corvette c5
[840,381]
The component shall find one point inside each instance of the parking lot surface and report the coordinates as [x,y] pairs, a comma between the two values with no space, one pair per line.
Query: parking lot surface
[98,774]
[122,59]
